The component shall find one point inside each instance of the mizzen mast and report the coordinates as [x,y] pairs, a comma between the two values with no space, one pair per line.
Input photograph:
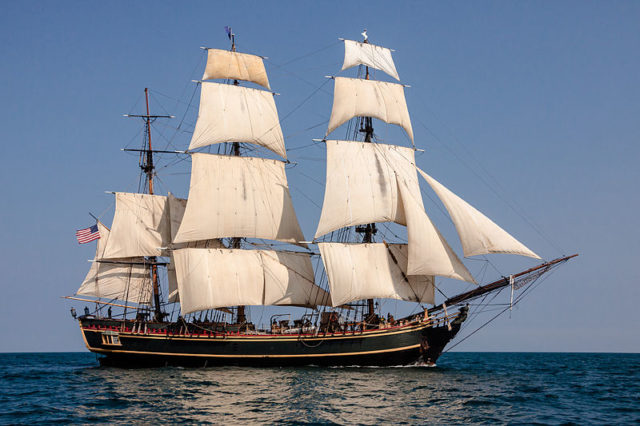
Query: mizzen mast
[146,164]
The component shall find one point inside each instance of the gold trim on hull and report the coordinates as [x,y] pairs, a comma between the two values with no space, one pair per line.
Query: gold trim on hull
[272,337]
[257,356]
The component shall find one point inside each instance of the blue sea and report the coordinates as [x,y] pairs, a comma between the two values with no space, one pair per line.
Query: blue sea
[543,388]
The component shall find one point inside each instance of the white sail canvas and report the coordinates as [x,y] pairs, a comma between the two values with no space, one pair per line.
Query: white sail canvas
[113,281]
[354,97]
[238,197]
[362,184]
[214,278]
[478,233]
[231,113]
[141,226]
[367,271]
[236,66]
[429,252]
[378,57]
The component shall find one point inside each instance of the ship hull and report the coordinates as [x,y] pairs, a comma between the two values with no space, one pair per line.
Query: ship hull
[131,345]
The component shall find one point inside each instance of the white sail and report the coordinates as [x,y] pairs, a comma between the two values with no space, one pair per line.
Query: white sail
[362,184]
[231,113]
[237,66]
[174,295]
[289,280]
[354,97]
[357,53]
[126,282]
[177,207]
[429,252]
[238,197]
[367,271]
[140,227]
[214,278]
[478,234]
[176,212]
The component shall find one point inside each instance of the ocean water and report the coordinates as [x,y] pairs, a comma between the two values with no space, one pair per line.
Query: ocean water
[543,388]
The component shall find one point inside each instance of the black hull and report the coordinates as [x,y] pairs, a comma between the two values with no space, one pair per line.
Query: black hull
[131,345]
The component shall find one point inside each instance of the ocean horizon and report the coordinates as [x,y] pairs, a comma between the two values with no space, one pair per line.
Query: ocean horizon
[464,387]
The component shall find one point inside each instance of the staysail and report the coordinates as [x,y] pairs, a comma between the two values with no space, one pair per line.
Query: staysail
[214,278]
[478,233]
[429,252]
[177,207]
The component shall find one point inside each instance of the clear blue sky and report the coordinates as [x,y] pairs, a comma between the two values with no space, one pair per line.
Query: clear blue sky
[540,99]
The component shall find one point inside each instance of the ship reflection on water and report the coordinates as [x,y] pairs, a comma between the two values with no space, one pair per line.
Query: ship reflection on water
[248,395]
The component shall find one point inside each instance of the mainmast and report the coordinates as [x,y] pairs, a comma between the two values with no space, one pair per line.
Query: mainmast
[369,230]
[235,151]
[219,207]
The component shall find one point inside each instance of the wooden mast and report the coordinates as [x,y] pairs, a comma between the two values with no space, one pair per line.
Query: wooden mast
[369,230]
[146,164]
[148,168]
[235,151]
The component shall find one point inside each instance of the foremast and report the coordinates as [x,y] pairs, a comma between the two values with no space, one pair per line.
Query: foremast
[369,182]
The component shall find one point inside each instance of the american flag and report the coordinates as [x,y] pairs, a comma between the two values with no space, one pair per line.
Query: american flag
[88,234]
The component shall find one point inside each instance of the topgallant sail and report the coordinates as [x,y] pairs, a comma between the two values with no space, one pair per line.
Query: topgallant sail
[217,246]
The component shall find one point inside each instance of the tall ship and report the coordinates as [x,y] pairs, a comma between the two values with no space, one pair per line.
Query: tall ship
[174,280]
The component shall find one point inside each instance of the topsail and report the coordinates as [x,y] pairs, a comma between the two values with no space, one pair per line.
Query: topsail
[367,98]
[238,197]
[231,113]
[362,184]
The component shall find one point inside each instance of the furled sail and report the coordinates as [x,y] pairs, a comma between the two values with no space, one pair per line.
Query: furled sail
[367,271]
[231,113]
[362,184]
[238,197]
[429,252]
[116,281]
[237,66]
[214,278]
[140,226]
[354,97]
[357,53]
[478,233]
